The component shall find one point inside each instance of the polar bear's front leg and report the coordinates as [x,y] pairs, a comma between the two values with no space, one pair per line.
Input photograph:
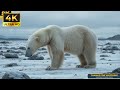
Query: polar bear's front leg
[57,57]
[56,50]
[56,61]
[50,52]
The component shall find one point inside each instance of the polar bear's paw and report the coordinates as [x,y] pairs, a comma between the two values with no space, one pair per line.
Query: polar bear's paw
[90,66]
[49,68]
[79,66]
[85,66]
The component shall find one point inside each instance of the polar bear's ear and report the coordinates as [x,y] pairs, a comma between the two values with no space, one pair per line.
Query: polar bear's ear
[37,39]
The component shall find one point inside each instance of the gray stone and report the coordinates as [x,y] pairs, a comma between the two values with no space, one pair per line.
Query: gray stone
[104,51]
[44,52]
[11,55]
[4,42]
[113,53]
[102,59]
[11,65]
[14,51]
[116,37]
[1,53]
[67,54]
[111,48]
[36,57]
[48,58]
[115,48]
[43,48]
[22,48]
[108,43]
[104,56]
[15,75]
[117,70]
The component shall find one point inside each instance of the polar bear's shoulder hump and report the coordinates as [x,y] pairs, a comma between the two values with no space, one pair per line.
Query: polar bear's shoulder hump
[53,26]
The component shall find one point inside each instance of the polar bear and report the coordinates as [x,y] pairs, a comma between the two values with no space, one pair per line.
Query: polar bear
[78,40]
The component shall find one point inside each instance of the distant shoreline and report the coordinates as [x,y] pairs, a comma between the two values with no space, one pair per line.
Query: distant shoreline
[27,39]
[107,39]
[116,37]
[13,39]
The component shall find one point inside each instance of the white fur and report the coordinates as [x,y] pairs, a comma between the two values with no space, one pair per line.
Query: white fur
[77,39]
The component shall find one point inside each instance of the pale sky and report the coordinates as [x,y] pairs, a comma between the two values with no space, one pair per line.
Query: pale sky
[31,20]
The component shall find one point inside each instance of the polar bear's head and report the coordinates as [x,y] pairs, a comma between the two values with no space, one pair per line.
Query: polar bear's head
[35,41]
[32,45]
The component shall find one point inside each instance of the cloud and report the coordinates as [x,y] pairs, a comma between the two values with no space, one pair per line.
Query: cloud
[66,18]
[32,20]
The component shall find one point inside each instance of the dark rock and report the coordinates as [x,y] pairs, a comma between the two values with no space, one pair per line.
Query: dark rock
[115,48]
[22,48]
[44,52]
[1,53]
[43,49]
[48,58]
[75,74]
[17,51]
[11,65]
[116,37]
[107,48]
[15,75]
[14,51]
[111,48]
[108,43]
[4,42]
[117,70]
[8,50]
[0,47]
[104,51]
[11,55]
[36,57]
[113,53]
[67,54]
[104,56]
[102,59]
[39,49]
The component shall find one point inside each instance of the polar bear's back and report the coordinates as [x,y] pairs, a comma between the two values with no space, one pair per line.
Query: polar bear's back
[74,28]
[75,36]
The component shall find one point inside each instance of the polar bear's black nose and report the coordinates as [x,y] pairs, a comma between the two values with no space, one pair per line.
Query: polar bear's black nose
[28,53]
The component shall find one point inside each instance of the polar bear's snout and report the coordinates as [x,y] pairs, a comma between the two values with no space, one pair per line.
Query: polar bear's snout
[28,52]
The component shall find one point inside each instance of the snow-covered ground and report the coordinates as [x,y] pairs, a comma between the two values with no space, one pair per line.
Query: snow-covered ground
[36,68]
